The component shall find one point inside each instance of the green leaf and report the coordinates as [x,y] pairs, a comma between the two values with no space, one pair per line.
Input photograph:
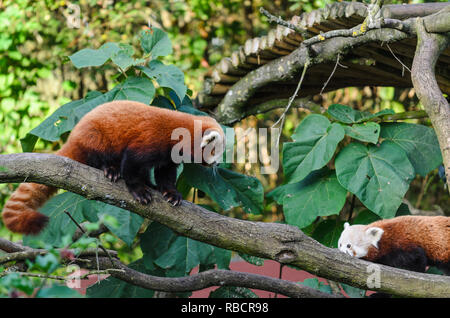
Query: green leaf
[254,260]
[15,280]
[348,115]
[115,288]
[183,255]
[320,194]
[159,244]
[134,88]
[232,292]
[124,57]
[155,42]
[316,284]
[328,232]
[315,141]
[59,224]
[47,263]
[155,241]
[403,209]
[129,222]
[419,142]
[92,57]
[168,76]
[67,116]
[163,102]
[367,132]
[228,188]
[365,217]
[353,292]
[61,121]
[58,291]
[378,176]
[223,257]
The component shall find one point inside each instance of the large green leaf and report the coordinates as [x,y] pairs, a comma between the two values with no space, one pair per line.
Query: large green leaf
[419,142]
[378,176]
[58,291]
[67,116]
[320,194]
[124,57]
[228,188]
[60,224]
[316,284]
[254,260]
[155,241]
[367,132]
[155,42]
[328,232]
[61,121]
[92,57]
[315,141]
[82,209]
[138,89]
[168,76]
[177,255]
[183,255]
[129,222]
[348,115]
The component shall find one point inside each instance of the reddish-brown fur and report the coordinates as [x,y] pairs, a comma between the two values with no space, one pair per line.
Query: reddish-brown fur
[432,233]
[110,127]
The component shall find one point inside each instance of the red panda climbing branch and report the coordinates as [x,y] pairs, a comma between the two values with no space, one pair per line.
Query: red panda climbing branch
[124,139]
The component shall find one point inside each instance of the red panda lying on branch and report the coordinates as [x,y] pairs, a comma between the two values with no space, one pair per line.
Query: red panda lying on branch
[124,139]
[407,242]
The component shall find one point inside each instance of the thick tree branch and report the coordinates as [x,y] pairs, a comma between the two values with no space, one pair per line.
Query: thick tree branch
[429,47]
[283,243]
[102,265]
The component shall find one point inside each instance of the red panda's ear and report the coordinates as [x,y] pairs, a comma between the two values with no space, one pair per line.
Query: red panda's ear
[374,235]
[209,137]
[346,225]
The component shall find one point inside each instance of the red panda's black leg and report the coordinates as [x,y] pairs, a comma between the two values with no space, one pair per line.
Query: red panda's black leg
[135,172]
[166,177]
[108,162]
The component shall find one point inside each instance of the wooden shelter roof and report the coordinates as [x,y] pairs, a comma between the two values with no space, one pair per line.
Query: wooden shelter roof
[372,64]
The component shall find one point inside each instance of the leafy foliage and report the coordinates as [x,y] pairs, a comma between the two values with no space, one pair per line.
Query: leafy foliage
[377,167]
[164,253]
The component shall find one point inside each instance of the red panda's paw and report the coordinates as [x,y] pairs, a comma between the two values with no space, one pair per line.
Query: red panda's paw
[142,193]
[112,173]
[172,196]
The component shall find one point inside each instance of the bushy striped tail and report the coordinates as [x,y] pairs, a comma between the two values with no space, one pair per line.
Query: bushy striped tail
[20,213]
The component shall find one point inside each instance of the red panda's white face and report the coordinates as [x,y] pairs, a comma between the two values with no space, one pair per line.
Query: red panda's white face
[355,240]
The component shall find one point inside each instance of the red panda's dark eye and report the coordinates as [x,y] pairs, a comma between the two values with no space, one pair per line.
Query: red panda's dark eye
[349,245]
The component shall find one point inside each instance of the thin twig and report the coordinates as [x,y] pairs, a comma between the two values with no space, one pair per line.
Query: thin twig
[291,99]
[280,21]
[331,75]
[398,59]
[84,232]
[64,278]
